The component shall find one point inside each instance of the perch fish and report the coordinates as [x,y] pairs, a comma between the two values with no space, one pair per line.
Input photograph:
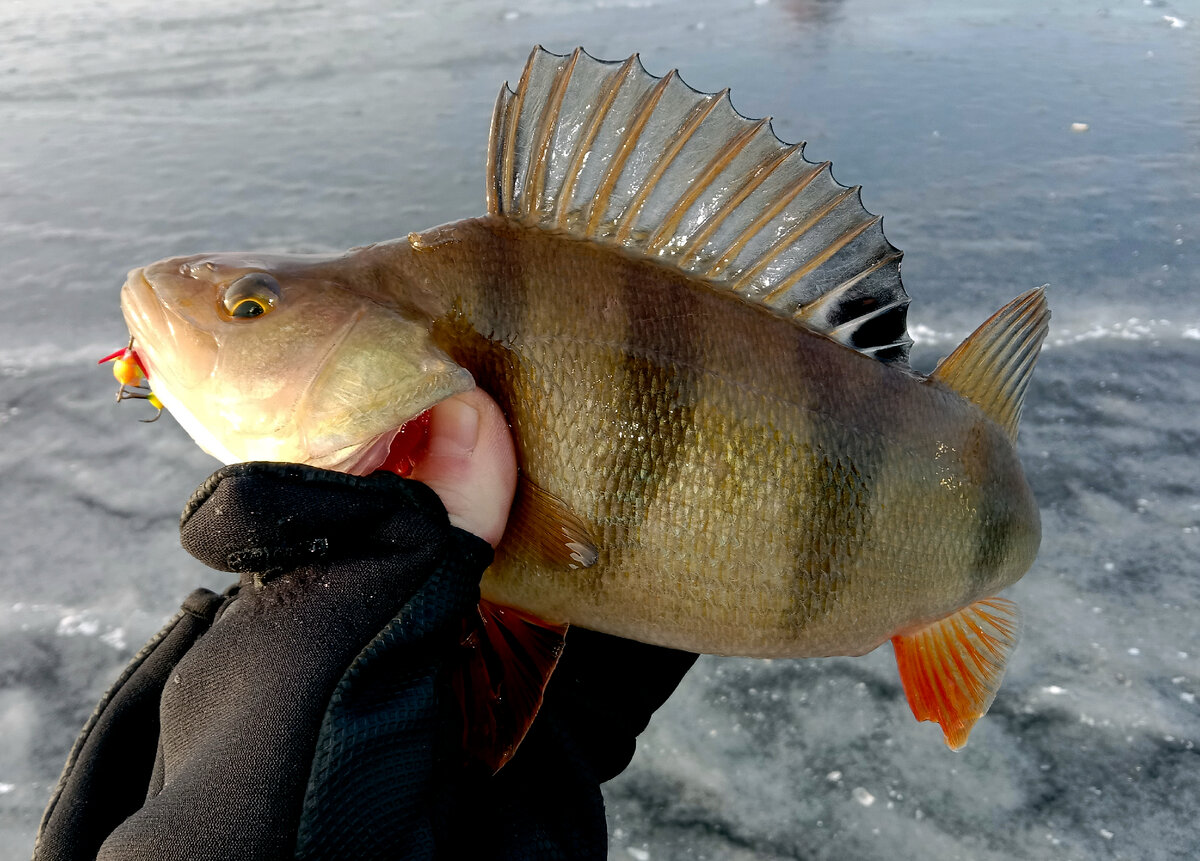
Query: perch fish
[699,340]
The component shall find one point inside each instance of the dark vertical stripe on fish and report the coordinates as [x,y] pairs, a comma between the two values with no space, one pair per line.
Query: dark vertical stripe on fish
[831,509]
[838,513]
[492,316]
[658,390]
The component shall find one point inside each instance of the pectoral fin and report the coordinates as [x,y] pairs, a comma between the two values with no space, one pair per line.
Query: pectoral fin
[952,669]
[545,527]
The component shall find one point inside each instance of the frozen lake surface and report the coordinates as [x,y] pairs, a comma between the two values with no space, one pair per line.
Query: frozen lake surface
[1006,147]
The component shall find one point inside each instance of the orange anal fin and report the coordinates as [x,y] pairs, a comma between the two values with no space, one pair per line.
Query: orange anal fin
[508,658]
[952,668]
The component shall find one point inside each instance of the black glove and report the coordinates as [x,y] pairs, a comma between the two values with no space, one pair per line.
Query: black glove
[306,713]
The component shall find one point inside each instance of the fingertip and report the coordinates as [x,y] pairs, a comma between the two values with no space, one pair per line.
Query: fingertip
[453,428]
[471,463]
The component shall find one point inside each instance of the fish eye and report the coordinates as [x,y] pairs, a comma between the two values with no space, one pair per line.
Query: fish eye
[251,295]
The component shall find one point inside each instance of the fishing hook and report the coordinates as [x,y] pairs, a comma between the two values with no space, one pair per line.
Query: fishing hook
[124,394]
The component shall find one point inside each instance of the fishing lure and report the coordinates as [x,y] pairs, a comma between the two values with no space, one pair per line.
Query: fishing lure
[135,384]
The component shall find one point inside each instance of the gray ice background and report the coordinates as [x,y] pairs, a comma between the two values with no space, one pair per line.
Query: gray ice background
[132,130]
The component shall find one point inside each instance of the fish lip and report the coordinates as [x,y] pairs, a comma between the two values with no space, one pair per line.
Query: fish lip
[137,297]
[145,311]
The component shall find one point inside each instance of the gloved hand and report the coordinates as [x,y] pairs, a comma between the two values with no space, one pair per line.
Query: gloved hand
[305,713]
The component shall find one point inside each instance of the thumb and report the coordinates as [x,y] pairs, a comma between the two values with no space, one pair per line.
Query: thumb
[470,463]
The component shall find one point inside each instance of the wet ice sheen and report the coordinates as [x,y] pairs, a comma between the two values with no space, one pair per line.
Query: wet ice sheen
[134,130]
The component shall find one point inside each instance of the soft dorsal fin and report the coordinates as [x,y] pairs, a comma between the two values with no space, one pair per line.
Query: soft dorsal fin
[952,669]
[608,152]
[992,367]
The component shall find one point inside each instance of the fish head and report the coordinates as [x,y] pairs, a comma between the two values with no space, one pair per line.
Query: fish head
[281,358]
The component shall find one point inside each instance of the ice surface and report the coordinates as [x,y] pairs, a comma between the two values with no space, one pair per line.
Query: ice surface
[133,130]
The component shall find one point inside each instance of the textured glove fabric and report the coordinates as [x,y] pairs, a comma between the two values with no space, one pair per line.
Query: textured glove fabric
[307,713]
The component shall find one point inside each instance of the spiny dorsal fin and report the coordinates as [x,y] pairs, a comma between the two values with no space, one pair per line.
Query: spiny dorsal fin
[992,367]
[608,152]
[952,669]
